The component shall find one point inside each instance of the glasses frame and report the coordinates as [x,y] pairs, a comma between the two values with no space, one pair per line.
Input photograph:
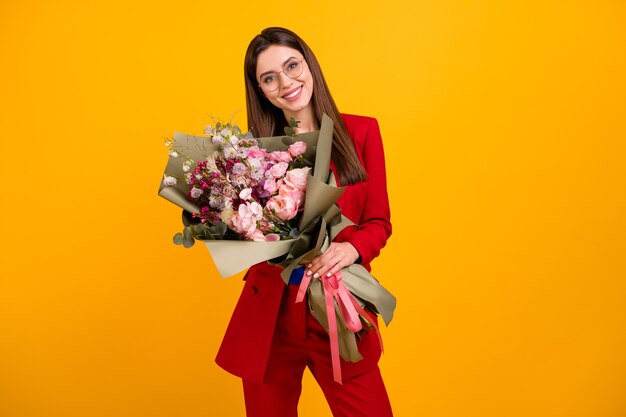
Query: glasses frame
[293,78]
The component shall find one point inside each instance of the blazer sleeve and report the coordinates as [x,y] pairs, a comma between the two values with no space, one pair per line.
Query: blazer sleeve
[374,228]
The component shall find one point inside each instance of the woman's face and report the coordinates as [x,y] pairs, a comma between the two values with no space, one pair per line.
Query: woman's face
[292,94]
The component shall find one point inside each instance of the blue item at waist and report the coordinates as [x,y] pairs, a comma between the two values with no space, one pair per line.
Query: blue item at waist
[298,273]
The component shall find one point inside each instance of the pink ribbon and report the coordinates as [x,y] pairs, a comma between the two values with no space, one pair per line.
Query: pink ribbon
[335,289]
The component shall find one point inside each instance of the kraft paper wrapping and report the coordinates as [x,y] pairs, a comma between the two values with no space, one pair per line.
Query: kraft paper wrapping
[321,221]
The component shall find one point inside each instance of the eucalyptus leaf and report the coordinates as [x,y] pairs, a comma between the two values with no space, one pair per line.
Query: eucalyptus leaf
[178,239]
[219,230]
[195,229]
[203,229]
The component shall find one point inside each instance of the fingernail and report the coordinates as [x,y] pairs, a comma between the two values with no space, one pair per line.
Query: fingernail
[308,273]
[316,275]
[329,274]
[309,265]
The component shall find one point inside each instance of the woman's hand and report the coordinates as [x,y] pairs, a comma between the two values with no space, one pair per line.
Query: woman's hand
[337,256]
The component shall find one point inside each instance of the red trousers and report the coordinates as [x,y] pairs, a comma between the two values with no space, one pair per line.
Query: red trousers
[300,341]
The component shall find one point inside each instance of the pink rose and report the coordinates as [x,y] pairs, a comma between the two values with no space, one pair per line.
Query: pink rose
[281,156]
[279,169]
[297,177]
[256,152]
[257,236]
[297,148]
[270,186]
[283,207]
[293,193]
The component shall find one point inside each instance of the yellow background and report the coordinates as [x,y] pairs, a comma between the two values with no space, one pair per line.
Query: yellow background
[504,128]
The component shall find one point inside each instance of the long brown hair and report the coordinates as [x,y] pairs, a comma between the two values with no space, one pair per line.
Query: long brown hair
[265,119]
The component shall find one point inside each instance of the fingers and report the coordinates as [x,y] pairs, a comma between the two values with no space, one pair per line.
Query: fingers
[325,263]
[336,268]
[336,257]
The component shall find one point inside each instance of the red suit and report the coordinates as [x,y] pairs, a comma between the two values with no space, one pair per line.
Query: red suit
[247,344]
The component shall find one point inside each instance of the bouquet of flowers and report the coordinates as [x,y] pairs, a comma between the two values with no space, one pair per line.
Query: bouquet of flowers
[243,191]
[273,199]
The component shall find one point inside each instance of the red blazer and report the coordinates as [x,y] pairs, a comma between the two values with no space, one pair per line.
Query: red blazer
[245,348]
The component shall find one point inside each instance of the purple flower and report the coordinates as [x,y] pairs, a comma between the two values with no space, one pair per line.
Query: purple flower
[196,192]
[238,168]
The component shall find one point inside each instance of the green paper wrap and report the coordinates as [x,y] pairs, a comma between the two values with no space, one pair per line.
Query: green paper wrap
[320,223]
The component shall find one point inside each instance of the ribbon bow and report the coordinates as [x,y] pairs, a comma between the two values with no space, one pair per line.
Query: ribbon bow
[349,310]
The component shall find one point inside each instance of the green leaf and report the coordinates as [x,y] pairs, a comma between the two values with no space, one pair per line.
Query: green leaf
[293,122]
[219,230]
[202,231]
[178,239]
[289,131]
[188,240]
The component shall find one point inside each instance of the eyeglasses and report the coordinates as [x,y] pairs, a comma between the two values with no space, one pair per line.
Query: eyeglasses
[292,69]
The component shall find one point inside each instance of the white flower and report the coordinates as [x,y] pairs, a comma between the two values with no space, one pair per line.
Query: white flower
[225,132]
[196,192]
[257,173]
[217,139]
[245,194]
[187,166]
[233,139]
[173,154]
[168,180]
[254,162]
[243,152]
[209,130]
[230,152]
[167,143]
[188,177]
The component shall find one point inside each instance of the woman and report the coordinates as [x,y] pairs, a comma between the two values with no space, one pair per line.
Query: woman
[271,339]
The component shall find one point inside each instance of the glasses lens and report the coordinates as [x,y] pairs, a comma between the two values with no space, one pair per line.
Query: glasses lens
[294,68]
[269,82]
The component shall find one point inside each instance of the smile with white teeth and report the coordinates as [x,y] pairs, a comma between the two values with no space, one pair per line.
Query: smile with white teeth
[294,93]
